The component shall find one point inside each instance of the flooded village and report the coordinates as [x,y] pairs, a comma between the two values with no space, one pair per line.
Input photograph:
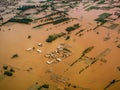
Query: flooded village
[59,44]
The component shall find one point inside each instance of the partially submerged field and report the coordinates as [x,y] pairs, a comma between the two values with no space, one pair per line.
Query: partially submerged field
[75,49]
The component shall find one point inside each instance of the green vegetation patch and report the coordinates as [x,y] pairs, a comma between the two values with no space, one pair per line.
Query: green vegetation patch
[102,18]
[72,28]
[93,8]
[12,70]
[87,6]
[104,15]
[44,6]
[79,32]
[102,21]
[87,50]
[118,6]
[54,37]
[43,86]
[5,67]
[111,83]
[67,38]
[118,46]
[8,73]
[118,14]
[15,56]
[101,2]
[3,23]
[24,20]
[8,70]
[53,22]
[106,7]
[110,7]
[23,8]
[60,20]
[66,49]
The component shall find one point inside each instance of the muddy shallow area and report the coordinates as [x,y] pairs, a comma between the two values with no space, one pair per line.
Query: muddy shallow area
[31,69]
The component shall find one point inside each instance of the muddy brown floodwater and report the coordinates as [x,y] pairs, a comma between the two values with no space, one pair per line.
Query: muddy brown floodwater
[31,67]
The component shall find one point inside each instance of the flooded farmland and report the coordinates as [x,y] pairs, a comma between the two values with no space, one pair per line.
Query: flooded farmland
[60,45]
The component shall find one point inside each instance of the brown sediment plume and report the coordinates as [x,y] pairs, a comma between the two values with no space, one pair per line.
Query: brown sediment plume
[89,66]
